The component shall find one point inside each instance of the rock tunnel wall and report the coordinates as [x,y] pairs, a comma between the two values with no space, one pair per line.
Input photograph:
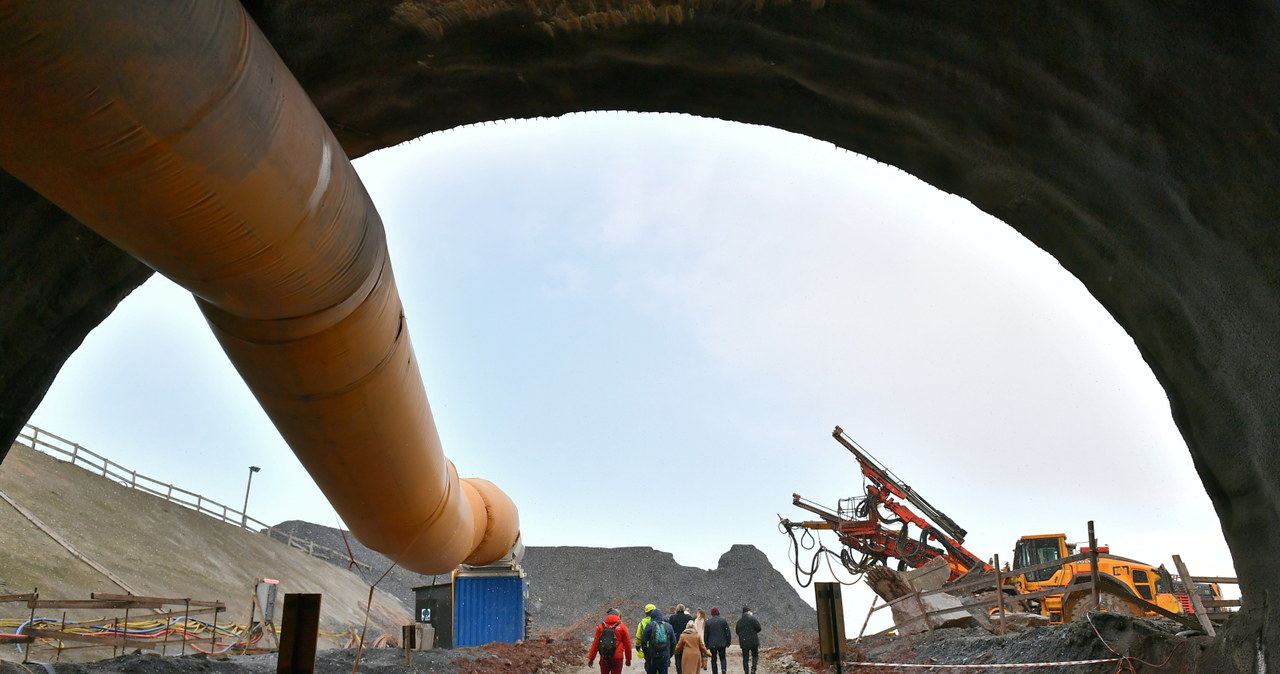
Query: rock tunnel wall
[1135,141]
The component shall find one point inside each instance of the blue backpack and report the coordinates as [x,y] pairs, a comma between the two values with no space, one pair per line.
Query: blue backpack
[659,635]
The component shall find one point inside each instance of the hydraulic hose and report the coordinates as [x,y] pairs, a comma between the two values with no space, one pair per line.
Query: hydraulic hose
[172,128]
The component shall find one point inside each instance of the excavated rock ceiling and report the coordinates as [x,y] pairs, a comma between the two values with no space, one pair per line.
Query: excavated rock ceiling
[1135,140]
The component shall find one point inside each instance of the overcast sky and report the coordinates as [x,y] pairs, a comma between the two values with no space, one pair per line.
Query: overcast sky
[657,321]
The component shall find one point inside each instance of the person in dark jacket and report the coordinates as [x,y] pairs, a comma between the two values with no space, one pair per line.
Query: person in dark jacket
[748,629]
[657,658]
[679,620]
[718,638]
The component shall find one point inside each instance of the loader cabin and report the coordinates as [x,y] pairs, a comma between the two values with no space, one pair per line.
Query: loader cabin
[1032,550]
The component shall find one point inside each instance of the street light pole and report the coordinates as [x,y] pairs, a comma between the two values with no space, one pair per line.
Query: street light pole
[244,512]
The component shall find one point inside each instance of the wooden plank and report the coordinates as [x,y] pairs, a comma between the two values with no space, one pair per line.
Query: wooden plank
[301,626]
[99,639]
[985,581]
[999,593]
[1056,589]
[1205,624]
[1093,568]
[862,631]
[1155,608]
[64,649]
[159,600]
[6,598]
[1221,603]
[89,603]
[16,638]
[962,608]
[989,580]
[133,597]
[1226,580]
[181,612]
[1051,590]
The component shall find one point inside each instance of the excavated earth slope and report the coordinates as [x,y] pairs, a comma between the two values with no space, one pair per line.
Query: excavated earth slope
[158,549]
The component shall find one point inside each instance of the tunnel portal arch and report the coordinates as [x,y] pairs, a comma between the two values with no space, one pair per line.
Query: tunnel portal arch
[1135,142]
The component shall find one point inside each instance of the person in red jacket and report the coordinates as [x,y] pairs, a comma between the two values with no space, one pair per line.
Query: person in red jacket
[611,663]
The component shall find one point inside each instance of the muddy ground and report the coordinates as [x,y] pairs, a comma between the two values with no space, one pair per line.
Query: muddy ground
[540,657]
[1117,643]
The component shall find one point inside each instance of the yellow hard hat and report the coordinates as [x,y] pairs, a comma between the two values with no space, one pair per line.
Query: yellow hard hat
[649,607]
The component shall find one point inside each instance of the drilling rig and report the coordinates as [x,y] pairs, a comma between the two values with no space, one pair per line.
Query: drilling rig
[876,526]
[865,523]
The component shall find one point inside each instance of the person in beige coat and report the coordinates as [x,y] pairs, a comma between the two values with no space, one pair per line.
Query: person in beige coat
[692,652]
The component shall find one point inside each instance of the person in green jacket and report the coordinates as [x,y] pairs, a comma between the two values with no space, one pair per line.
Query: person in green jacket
[644,622]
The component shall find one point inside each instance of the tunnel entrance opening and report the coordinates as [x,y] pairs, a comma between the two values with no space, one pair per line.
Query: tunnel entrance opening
[718,293]
[1130,141]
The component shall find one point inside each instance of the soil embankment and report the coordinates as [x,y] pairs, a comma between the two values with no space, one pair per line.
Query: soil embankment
[154,548]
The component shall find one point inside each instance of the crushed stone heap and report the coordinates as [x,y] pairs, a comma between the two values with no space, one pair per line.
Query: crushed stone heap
[568,583]
[572,586]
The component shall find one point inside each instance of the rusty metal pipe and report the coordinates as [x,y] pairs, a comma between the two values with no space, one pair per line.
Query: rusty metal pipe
[174,130]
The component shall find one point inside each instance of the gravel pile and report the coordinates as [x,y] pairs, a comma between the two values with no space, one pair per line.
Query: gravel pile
[567,584]
[572,586]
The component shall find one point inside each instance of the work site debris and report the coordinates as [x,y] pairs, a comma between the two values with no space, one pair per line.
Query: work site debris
[918,610]
[1118,640]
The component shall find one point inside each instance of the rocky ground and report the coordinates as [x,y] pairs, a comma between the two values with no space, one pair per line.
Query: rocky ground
[1117,643]
[539,656]
[548,658]
[1121,644]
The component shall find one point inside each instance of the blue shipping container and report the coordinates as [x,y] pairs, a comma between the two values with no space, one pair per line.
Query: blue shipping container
[488,609]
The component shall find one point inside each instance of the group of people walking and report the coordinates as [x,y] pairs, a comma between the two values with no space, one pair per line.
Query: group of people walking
[691,640]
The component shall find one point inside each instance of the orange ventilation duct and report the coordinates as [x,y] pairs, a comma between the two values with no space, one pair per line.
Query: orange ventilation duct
[173,129]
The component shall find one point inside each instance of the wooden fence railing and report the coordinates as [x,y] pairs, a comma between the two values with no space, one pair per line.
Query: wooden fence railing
[56,446]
